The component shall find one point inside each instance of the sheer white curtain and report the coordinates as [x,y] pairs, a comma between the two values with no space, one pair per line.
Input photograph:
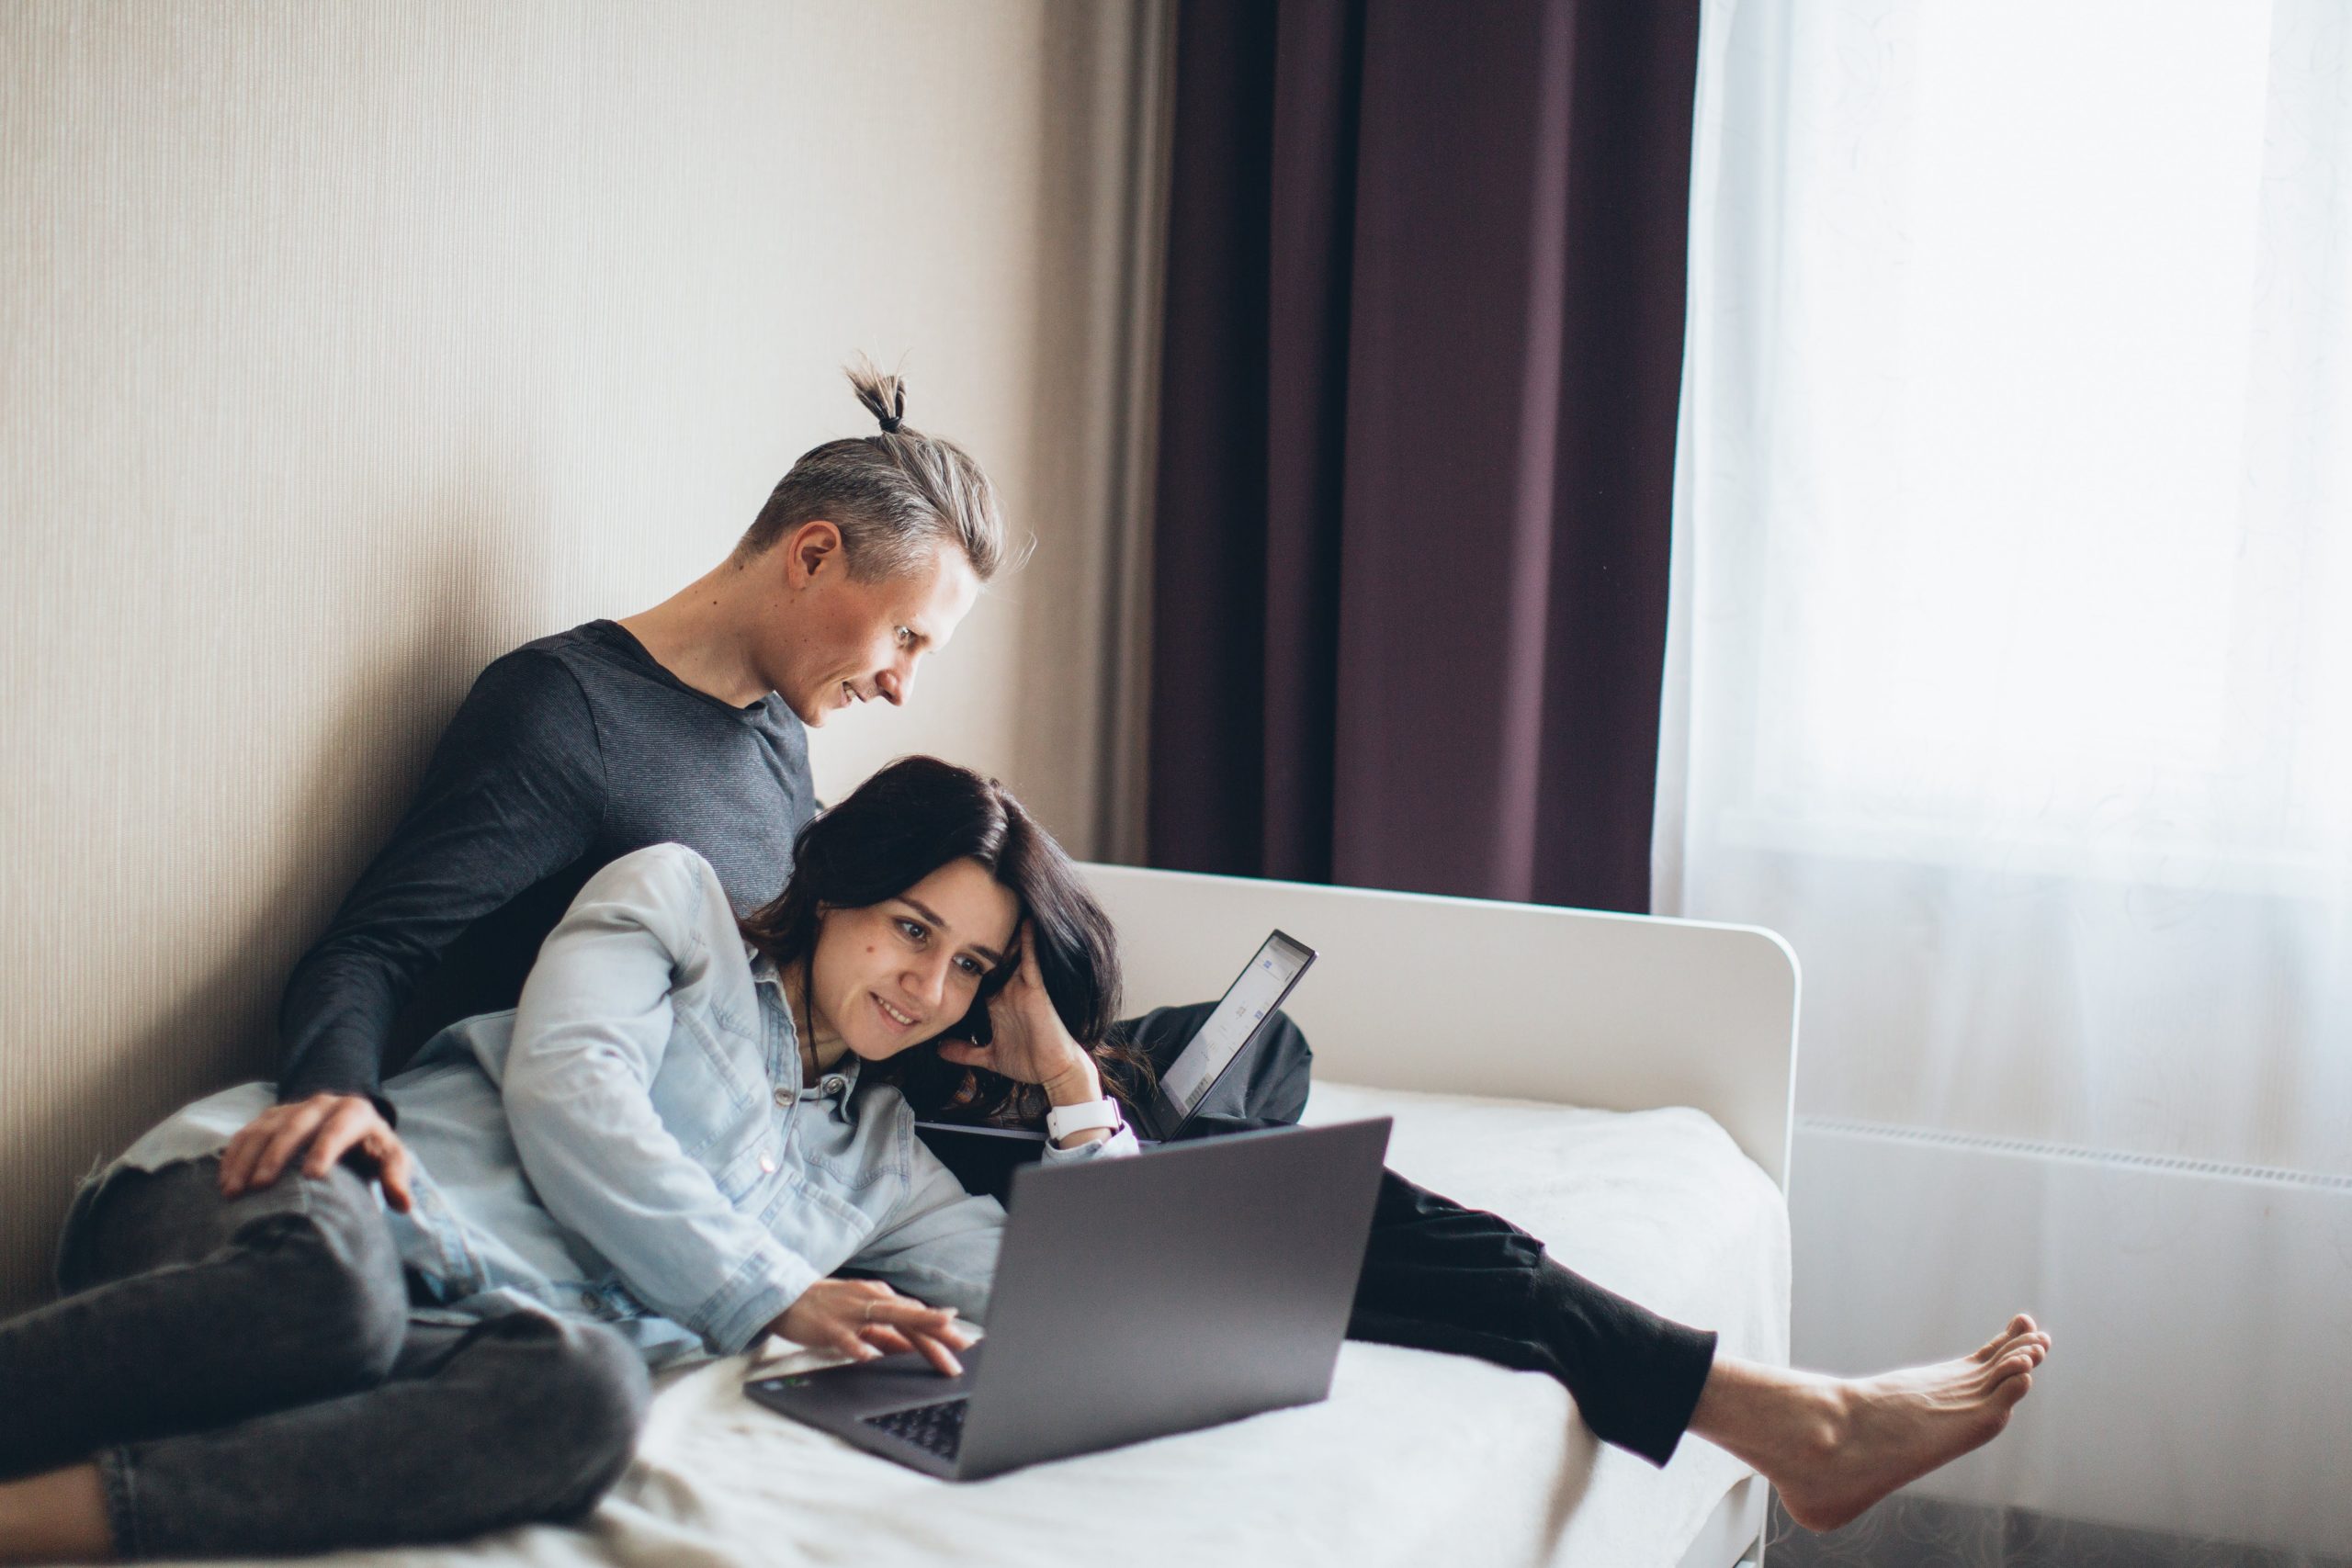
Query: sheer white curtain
[2010,673]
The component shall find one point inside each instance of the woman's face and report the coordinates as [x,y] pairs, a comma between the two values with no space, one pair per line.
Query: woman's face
[894,975]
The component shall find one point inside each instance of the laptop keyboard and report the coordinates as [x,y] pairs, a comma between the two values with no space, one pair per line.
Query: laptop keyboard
[938,1427]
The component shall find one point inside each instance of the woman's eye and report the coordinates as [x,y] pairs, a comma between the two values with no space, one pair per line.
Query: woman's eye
[973,967]
[912,929]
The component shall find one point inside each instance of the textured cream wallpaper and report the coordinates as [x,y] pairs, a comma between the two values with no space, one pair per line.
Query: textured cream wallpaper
[349,344]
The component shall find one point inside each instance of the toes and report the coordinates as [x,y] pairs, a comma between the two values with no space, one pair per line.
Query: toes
[2033,1343]
[2033,1347]
[2020,1324]
[2007,1394]
[2009,1367]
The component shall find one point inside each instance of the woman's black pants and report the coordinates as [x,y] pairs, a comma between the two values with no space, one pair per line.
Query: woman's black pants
[1439,1277]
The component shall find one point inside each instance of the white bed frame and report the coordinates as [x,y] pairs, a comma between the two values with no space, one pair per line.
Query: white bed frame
[1449,995]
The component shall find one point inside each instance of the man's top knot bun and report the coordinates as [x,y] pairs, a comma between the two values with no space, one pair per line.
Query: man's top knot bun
[885,397]
[896,498]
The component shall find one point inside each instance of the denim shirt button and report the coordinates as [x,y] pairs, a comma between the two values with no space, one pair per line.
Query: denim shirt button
[835,1085]
[784,1097]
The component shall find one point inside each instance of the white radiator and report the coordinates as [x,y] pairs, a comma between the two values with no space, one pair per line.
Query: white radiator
[2202,1379]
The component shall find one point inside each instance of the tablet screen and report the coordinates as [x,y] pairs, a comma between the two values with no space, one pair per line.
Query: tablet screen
[1259,991]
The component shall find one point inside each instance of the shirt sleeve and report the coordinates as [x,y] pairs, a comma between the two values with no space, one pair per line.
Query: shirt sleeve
[940,1244]
[515,792]
[590,1036]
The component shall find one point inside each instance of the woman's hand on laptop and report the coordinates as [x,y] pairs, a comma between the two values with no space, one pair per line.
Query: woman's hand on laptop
[1029,1043]
[866,1318]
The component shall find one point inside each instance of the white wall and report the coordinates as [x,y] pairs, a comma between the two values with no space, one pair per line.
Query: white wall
[349,344]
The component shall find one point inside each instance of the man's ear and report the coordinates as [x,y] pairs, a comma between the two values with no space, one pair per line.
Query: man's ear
[812,547]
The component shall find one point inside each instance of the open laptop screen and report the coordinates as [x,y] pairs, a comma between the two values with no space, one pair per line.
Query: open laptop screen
[1259,991]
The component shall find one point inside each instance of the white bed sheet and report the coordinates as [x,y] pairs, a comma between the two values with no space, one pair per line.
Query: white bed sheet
[1417,1458]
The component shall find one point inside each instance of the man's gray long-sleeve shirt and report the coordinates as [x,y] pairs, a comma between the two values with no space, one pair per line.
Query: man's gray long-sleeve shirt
[569,752]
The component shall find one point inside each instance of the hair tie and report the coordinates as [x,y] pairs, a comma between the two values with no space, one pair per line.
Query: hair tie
[891,421]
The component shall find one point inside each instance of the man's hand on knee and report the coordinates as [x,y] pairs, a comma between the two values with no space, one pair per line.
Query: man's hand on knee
[318,1130]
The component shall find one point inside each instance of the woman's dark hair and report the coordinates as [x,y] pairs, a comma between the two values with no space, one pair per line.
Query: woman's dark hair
[899,827]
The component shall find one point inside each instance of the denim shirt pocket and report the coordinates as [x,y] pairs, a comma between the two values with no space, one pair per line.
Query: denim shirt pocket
[861,1182]
[856,1178]
[822,1222]
[750,1162]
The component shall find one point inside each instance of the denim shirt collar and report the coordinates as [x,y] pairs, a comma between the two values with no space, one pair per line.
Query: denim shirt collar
[837,1083]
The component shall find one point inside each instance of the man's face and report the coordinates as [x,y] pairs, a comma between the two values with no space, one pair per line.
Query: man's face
[844,641]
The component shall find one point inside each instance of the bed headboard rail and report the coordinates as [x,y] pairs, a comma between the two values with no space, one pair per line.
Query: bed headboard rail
[1464,996]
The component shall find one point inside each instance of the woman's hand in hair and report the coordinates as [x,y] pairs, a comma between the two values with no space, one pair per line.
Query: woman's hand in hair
[320,1130]
[866,1318]
[1029,1042]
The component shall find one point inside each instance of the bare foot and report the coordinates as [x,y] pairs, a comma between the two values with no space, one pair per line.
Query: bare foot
[1834,1446]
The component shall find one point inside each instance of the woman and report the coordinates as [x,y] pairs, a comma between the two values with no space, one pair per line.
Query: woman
[672,1145]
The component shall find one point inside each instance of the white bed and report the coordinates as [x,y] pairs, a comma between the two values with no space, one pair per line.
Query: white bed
[1678,1038]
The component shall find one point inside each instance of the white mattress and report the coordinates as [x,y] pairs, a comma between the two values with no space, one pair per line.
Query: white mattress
[1416,1458]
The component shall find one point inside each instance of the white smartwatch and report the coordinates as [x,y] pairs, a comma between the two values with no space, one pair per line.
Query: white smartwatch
[1083,1117]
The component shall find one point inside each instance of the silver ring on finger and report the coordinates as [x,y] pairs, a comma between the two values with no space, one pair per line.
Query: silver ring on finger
[868,1319]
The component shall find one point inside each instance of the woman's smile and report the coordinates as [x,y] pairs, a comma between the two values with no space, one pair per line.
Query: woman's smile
[899,1022]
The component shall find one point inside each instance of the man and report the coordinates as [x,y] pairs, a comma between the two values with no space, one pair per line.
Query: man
[686,723]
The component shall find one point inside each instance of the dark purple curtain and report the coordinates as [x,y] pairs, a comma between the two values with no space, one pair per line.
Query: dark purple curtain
[1422,354]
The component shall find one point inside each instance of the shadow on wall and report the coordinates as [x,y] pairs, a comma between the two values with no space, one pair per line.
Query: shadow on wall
[1076,390]
[220,1028]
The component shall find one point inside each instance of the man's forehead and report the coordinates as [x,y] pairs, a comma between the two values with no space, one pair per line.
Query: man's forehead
[936,598]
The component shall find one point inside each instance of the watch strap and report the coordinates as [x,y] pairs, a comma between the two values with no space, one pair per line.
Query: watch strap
[1084,1117]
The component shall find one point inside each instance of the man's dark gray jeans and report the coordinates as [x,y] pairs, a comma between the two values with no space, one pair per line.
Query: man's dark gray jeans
[248,1379]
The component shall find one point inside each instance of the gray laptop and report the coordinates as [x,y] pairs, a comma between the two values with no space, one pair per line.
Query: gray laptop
[1195,1283]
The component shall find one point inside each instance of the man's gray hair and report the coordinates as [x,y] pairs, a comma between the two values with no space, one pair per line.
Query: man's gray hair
[897,496]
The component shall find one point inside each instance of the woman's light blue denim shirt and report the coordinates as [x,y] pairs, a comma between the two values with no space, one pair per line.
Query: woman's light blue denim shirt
[634,1142]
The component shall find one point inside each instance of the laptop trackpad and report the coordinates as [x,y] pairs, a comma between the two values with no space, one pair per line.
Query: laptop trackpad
[864,1388]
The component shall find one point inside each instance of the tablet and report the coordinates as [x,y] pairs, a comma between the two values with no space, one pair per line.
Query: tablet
[1240,1015]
